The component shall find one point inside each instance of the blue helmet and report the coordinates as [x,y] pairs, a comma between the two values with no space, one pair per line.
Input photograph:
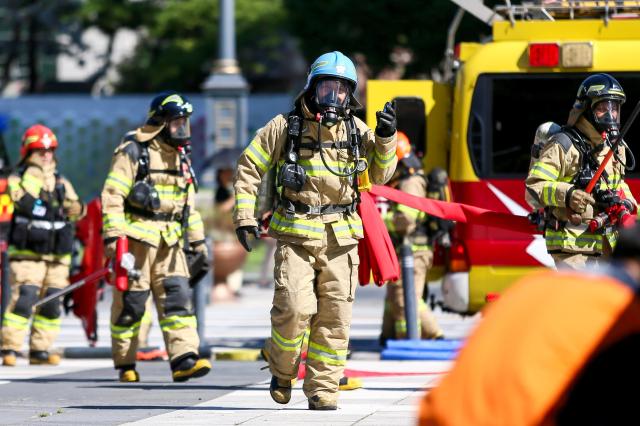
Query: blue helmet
[334,64]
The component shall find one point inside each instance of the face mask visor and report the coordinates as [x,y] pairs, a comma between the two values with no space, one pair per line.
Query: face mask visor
[179,129]
[606,115]
[333,93]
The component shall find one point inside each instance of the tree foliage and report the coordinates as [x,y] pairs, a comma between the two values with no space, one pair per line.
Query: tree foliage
[376,27]
[181,41]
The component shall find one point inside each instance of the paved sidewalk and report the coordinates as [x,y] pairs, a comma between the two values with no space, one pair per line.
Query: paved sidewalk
[234,392]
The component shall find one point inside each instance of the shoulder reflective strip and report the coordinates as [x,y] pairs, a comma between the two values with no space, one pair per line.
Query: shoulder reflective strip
[288,345]
[119,182]
[31,184]
[175,322]
[549,193]
[14,183]
[45,323]
[258,155]
[122,332]
[325,354]
[245,201]
[414,213]
[297,226]
[15,321]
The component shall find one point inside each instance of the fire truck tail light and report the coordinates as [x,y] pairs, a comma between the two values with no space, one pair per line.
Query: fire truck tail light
[458,258]
[544,55]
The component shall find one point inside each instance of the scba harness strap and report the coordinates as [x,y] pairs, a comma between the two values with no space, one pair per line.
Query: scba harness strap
[293,176]
[143,198]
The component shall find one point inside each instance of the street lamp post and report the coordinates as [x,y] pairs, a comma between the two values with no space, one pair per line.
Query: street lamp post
[226,93]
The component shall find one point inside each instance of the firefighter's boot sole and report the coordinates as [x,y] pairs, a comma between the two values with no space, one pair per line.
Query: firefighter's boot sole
[51,359]
[129,376]
[280,390]
[9,360]
[350,383]
[324,404]
[199,369]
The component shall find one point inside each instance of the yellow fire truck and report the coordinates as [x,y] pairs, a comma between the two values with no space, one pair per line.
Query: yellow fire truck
[479,123]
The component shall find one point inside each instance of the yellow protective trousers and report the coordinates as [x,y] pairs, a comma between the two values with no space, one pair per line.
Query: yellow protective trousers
[164,273]
[31,280]
[315,283]
[394,303]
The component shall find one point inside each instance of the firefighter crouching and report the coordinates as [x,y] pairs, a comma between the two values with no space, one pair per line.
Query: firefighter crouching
[149,198]
[403,221]
[563,168]
[317,149]
[40,245]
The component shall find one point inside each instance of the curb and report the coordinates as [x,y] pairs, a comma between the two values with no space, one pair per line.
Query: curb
[220,354]
[237,354]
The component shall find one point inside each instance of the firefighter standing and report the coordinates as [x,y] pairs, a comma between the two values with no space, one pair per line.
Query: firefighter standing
[403,221]
[317,150]
[558,178]
[149,197]
[40,246]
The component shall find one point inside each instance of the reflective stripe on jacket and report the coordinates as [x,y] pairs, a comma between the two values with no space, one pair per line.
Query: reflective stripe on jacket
[167,179]
[550,179]
[321,187]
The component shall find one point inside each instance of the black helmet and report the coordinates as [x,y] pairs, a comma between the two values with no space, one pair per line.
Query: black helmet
[168,106]
[592,92]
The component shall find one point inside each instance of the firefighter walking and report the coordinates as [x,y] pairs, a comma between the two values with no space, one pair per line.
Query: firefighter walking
[40,245]
[318,149]
[149,198]
[420,230]
[561,171]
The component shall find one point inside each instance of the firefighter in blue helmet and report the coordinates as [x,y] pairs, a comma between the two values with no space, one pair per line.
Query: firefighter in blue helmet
[318,150]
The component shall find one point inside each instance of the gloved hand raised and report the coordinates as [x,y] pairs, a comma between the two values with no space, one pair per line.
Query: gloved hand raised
[386,120]
[243,232]
[578,200]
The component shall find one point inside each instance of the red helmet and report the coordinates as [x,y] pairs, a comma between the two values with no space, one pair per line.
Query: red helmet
[403,147]
[37,137]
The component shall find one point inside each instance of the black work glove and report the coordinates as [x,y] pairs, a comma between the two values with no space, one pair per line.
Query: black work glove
[386,122]
[243,232]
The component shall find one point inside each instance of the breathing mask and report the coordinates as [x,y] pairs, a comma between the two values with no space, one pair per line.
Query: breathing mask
[177,132]
[332,97]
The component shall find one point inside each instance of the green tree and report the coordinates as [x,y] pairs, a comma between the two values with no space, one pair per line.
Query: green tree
[180,43]
[109,16]
[376,27]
